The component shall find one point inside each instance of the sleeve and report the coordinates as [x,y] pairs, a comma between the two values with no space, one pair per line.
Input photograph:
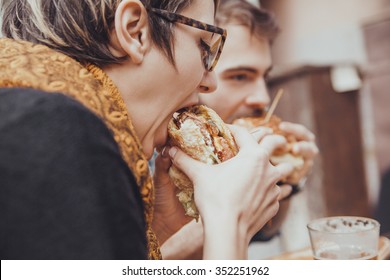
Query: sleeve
[65,191]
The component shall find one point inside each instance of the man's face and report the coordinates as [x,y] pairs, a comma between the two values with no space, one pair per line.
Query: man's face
[241,72]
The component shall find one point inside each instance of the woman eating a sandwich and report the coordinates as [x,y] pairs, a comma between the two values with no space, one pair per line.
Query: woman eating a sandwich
[87,89]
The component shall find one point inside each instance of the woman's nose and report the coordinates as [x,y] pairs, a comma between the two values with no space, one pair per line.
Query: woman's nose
[208,83]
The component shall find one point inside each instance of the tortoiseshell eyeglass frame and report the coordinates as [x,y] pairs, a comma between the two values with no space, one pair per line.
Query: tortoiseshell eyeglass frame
[173,17]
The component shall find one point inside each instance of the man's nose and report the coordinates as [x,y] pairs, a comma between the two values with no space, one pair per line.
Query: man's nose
[259,97]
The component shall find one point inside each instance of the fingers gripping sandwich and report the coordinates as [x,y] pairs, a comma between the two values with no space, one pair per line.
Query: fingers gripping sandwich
[202,134]
[280,155]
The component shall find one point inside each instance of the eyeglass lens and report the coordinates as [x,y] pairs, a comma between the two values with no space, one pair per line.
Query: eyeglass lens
[214,47]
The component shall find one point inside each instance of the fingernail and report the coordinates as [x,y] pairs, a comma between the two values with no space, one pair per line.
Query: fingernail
[172,152]
[164,153]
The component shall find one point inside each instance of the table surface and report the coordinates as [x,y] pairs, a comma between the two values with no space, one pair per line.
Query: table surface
[306,253]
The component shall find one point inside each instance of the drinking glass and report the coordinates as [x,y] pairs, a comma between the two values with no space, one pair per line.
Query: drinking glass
[344,238]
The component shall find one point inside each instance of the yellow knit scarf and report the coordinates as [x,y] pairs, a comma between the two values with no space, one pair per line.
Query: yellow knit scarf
[23,64]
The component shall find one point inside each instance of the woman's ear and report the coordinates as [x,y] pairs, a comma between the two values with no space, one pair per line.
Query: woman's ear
[131,30]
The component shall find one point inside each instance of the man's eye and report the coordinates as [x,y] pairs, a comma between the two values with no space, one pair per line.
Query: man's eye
[240,77]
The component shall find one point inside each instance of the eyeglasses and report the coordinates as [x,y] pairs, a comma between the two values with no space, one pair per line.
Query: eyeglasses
[211,52]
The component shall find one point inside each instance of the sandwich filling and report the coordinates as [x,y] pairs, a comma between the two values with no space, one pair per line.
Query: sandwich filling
[202,134]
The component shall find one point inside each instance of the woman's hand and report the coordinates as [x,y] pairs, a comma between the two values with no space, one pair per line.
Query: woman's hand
[169,214]
[235,198]
[271,142]
[305,147]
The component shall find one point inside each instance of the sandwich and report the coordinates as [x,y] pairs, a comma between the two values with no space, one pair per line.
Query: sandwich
[199,132]
[280,155]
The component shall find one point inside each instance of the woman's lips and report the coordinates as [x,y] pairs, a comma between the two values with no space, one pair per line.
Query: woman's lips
[160,144]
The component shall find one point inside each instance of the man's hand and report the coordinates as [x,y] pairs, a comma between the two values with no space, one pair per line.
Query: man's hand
[305,146]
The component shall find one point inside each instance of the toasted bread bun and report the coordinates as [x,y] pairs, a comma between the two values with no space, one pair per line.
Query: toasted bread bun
[280,155]
[201,133]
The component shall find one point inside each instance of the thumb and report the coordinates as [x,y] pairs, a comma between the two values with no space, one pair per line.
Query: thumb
[162,165]
[242,136]
[185,163]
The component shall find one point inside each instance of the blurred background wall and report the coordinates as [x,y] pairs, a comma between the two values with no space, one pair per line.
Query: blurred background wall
[333,60]
[323,31]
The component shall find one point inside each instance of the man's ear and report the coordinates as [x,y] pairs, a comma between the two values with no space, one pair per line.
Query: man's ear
[131,30]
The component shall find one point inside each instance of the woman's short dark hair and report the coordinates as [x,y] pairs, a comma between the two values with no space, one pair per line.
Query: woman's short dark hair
[260,22]
[81,28]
